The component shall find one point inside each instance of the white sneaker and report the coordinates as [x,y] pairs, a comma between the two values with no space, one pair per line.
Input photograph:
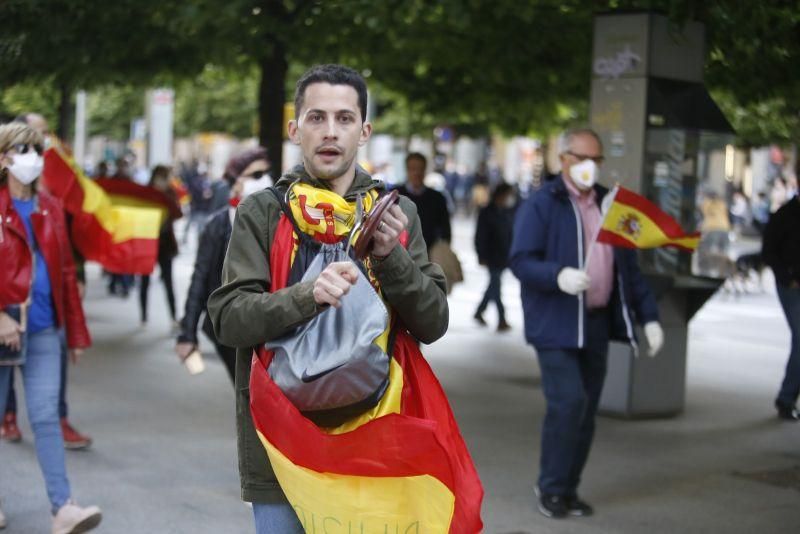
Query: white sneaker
[2,519]
[73,519]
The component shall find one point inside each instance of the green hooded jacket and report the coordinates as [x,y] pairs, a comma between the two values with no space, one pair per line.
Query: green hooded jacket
[245,314]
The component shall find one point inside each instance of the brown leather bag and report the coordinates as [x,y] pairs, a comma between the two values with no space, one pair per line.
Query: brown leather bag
[443,255]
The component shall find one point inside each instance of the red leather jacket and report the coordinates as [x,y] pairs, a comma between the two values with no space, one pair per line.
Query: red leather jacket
[16,262]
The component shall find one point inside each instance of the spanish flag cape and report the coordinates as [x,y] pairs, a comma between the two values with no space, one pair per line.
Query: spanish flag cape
[120,235]
[402,467]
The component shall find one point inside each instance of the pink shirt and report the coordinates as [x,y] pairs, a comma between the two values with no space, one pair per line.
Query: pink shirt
[601,263]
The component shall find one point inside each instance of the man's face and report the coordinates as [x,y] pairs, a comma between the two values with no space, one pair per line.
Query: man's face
[582,147]
[415,170]
[329,129]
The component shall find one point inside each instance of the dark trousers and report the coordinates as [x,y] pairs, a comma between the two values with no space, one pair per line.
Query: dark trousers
[492,294]
[165,265]
[11,402]
[228,357]
[572,380]
[790,388]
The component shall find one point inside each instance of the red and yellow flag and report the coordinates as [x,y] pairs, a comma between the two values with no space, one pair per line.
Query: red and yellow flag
[122,238]
[632,221]
[402,467]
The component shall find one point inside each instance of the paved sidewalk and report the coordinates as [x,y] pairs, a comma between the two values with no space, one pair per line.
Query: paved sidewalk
[164,458]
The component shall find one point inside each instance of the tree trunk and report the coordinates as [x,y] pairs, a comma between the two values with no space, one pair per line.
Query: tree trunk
[271,100]
[65,112]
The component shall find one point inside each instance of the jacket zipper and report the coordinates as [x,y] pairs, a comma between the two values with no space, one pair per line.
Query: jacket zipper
[626,315]
[579,225]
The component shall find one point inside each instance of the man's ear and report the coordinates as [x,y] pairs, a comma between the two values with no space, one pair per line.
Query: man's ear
[291,129]
[366,131]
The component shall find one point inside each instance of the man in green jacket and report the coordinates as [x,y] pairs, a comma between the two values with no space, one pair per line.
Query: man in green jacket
[329,126]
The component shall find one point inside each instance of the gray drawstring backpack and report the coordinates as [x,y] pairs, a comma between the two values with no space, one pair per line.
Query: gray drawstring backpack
[330,367]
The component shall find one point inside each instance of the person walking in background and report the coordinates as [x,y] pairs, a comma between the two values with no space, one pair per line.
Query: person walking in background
[244,173]
[9,430]
[431,204]
[493,236]
[167,245]
[572,309]
[38,286]
[781,251]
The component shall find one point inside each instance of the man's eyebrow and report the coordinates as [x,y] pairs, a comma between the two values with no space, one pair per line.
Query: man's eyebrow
[348,111]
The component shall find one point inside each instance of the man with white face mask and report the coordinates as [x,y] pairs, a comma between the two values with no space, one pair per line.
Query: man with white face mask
[574,303]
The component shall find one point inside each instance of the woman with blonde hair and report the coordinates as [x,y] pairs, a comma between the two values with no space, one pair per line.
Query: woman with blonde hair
[38,298]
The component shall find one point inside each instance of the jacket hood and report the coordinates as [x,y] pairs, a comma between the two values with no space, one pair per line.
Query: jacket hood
[362,183]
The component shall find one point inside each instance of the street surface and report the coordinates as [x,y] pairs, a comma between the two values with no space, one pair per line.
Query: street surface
[164,456]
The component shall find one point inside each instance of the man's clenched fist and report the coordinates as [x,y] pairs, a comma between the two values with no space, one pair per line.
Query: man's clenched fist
[334,282]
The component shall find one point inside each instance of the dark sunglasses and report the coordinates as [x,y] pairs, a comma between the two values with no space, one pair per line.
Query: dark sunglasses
[23,148]
[255,175]
[583,157]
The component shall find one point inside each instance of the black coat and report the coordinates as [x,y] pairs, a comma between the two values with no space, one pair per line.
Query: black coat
[433,215]
[493,236]
[781,249]
[207,275]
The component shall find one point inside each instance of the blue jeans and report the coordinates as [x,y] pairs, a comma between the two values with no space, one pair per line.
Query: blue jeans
[572,380]
[790,389]
[11,405]
[276,519]
[492,294]
[41,376]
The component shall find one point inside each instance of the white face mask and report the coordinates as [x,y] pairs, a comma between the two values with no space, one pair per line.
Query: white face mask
[26,167]
[251,186]
[584,174]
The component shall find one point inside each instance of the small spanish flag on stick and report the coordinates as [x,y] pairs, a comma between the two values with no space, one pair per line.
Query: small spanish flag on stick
[632,221]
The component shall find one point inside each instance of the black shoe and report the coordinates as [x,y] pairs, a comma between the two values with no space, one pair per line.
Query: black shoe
[578,508]
[479,318]
[787,413]
[553,506]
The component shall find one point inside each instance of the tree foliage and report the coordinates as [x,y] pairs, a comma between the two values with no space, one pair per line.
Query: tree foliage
[477,65]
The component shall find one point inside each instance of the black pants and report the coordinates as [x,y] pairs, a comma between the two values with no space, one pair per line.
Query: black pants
[228,357]
[165,265]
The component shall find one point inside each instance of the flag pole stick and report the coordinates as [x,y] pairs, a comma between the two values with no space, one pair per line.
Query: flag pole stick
[604,210]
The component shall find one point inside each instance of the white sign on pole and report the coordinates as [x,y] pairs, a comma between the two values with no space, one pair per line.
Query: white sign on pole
[160,113]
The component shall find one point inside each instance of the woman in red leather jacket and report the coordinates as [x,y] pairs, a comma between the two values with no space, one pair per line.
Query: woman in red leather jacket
[38,297]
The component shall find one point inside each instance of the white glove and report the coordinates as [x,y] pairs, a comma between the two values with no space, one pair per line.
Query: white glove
[572,281]
[655,337]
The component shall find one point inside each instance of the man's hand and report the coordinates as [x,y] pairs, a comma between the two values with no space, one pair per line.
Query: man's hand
[573,281]
[184,348]
[334,282]
[387,236]
[655,337]
[10,331]
[75,355]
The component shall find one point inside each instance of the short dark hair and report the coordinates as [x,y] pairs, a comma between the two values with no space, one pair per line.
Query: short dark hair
[241,161]
[417,155]
[334,75]
[501,189]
